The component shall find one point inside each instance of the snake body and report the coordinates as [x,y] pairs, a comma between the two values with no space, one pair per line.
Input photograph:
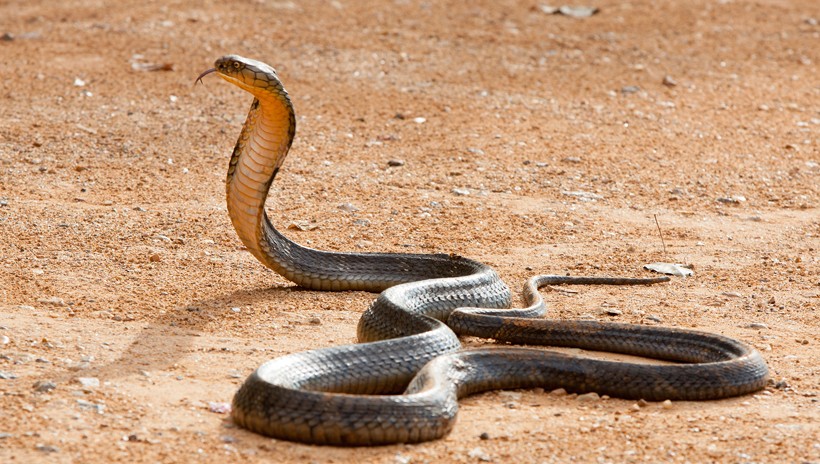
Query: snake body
[402,381]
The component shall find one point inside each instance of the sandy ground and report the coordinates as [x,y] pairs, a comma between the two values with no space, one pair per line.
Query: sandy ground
[570,136]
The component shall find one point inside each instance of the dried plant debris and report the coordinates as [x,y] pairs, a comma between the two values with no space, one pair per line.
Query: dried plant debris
[678,270]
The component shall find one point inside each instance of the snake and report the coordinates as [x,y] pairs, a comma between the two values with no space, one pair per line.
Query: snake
[402,381]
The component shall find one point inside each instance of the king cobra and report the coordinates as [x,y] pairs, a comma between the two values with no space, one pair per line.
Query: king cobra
[402,381]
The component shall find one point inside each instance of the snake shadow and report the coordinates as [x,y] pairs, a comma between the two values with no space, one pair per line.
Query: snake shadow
[166,339]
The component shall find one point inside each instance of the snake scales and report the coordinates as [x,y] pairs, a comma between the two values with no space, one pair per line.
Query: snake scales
[402,382]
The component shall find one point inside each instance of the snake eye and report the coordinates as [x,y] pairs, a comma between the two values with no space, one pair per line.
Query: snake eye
[237,65]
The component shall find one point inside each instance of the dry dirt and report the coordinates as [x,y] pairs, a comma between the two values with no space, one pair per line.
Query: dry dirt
[118,260]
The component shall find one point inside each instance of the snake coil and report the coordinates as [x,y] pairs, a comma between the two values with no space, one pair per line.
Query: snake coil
[402,382]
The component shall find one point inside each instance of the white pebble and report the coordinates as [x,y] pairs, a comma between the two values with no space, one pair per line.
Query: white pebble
[89,382]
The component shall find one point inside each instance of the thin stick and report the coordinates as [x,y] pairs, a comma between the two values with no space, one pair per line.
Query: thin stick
[660,233]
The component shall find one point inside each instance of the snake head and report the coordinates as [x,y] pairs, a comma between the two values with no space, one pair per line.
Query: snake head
[251,75]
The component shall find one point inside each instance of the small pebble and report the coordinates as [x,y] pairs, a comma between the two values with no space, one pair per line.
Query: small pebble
[654,318]
[484,436]
[757,325]
[236,310]
[4,340]
[668,81]
[626,90]
[218,407]
[227,439]
[667,404]
[572,159]
[732,294]
[88,405]
[348,207]
[558,392]
[402,459]
[5,435]
[155,258]
[612,312]
[53,300]
[478,453]
[47,448]
[733,200]
[588,397]
[89,382]
[44,386]
[419,120]
[395,162]
[315,321]
[461,191]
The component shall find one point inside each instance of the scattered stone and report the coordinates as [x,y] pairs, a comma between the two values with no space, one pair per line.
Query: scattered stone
[402,459]
[361,222]
[461,191]
[757,325]
[5,435]
[588,397]
[227,439]
[218,407]
[558,392]
[572,159]
[484,436]
[89,382]
[155,258]
[668,81]
[26,308]
[667,404]
[612,312]
[567,10]
[654,318]
[643,403]
[629,89]
[7,376]
[4,340]
[53,300]
[732,294]
[44,386]
[475,151]
[88,405]
[236,310]
[580,194]
[163,238]
[395,163]
[315,321]
[302,225]
[419,120]
[348,207]
[47,448]
[733,200]
[7,37]
[478,453]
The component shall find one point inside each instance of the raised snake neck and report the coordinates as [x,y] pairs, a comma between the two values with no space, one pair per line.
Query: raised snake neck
[352,395]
